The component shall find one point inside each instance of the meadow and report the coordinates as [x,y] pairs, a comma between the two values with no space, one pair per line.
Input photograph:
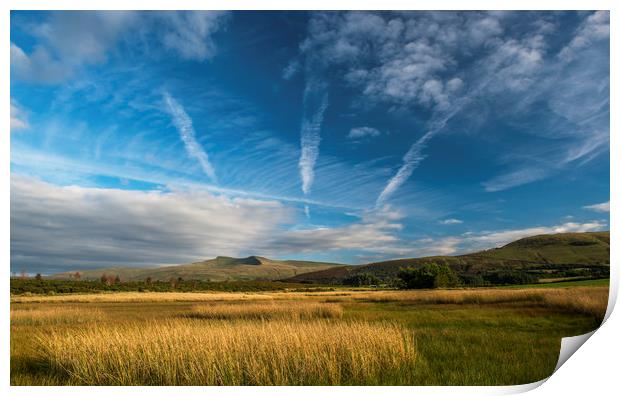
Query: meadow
[495,336]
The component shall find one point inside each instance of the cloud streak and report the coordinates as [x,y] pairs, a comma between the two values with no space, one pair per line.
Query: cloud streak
[184,125]
[411,161]
[315,104]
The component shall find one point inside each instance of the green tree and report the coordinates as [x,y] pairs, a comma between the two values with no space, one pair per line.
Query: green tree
[430,276]
[362,279]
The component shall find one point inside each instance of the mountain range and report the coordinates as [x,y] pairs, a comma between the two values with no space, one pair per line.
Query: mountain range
[547,255]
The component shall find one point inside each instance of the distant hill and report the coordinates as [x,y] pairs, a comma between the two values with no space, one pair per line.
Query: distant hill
[217,269]
[546,256]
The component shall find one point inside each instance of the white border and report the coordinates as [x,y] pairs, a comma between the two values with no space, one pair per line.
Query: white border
[594,368]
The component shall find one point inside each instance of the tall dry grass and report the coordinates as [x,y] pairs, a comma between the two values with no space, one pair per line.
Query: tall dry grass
[293,310]
[187,352]
[129,297]
[594,302]
[54,315]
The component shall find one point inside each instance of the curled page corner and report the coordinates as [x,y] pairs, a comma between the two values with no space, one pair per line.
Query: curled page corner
[571,344]
[569,347]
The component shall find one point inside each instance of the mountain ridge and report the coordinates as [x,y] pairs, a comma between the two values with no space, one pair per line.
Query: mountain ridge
[568,251]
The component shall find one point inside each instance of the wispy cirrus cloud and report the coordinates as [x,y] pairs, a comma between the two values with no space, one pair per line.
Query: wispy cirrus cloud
[184,125]
[602,207]
[515,178]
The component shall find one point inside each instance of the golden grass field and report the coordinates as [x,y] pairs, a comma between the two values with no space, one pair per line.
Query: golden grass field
[267,310]
[190,352]
[347,337]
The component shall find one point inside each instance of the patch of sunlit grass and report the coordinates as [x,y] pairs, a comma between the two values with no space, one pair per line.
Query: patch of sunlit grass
[294,310]
[189,352]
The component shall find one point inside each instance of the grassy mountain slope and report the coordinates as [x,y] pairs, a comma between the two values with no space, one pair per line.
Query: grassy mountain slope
[538,253]
[217,269]
[569,248]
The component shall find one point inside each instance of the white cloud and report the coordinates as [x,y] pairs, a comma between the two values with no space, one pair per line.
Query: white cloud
[291,69]
[362,132]
[183,123]
[600,207]
[39,66]
[403,58]
[58,227]
[78,226]
[431,247]
[375,232]
[315,104]
[189,34]
[84,37]
[18,118]
[451,221]
[499,238]
[70,40]
[594,28]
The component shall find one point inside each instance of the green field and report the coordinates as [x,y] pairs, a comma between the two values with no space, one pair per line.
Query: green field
[458,337]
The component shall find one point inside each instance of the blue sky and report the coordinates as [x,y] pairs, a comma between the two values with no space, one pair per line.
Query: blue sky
[148,138]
